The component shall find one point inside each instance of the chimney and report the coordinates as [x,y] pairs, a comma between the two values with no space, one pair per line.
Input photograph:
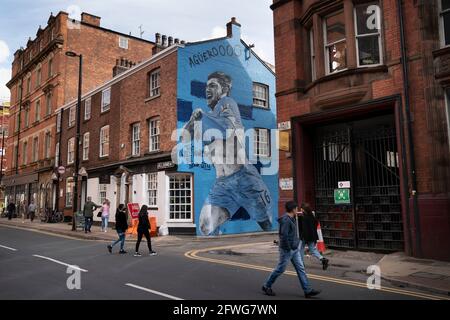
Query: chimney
[164,40]
[183,42]
[233,29]
[170,41]
[90,19]
[121,66]
[158,38]
[177,41]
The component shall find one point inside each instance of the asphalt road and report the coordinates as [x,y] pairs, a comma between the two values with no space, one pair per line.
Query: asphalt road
[34,266]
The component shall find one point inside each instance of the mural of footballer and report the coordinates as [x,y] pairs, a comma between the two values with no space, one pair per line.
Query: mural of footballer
[238,184]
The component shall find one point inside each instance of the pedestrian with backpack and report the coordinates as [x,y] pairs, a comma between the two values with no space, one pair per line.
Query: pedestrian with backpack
[143,229]
[307,225]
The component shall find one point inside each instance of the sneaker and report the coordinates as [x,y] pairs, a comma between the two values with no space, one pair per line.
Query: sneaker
[110,248]
[324,263]
[152,253]
[312,293]
[122,252]
[137,254]
[268,291]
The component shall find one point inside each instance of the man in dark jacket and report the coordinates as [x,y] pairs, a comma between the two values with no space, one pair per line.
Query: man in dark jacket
[121,228]
[307,224]
[289,242]
[88,212]
[11,210]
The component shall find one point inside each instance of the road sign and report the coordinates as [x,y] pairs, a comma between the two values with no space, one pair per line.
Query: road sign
[133,209]
[344,184]
[341,196]
[61,170]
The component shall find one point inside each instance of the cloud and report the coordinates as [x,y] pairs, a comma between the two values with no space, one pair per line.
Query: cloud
[5,76]
[218,32]
[4,51]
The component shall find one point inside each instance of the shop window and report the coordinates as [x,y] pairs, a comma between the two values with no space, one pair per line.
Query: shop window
[152,189]
[180,200]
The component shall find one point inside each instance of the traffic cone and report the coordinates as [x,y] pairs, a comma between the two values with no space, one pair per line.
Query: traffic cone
[320,243]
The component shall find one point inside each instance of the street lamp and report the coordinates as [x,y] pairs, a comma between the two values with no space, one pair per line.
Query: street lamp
[77,137]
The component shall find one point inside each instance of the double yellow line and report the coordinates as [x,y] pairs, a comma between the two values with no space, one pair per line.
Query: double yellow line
[193,254]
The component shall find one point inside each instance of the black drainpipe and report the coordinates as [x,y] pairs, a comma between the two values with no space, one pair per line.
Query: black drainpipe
[418,251]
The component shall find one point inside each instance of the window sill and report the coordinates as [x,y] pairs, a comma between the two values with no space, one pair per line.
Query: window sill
[105,111]
[152,98]
[71,126]
[263,108]
[442,51]
[151,153]
[86,120]
[103,157]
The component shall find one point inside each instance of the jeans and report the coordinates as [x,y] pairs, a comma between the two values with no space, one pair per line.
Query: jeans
[312,249]
[105,223]
[296,259]
[32,214]
[121,239]
[147,236]
[87,223]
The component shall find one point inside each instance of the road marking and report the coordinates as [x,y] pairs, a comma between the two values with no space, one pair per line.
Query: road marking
[153,291]
[60,262]
[193,254]
[8,248]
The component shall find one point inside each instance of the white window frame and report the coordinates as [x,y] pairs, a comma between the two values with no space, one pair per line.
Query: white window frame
[357,36]
[104,152]
[35,149]
[72,115]
[106,100]
[69,195]
[441,24]
[86,137]
[47,144]
[154,134]
[71,150]
[87,109]
[328,45]
[265,87]
[258,144]
[152,189]
[155,83]
[123,42]
[102,192]
[186,197]
[136,139]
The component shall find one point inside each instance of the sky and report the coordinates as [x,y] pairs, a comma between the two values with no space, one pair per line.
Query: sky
[189,20]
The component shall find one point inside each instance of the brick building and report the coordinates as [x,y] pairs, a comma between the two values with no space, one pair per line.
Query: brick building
[43,78]
[361,90]
[4,118]
[128,130]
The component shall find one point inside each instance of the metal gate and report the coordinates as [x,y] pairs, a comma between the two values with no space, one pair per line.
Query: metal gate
[363,153]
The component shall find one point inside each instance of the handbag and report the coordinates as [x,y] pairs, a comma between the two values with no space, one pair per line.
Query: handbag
[99,214]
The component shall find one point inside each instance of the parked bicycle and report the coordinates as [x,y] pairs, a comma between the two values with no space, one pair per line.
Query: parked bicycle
[51,216]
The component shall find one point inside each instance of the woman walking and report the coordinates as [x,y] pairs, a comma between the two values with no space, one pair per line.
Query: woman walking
[143,230]
[307,224]
[121,228]
[105,215]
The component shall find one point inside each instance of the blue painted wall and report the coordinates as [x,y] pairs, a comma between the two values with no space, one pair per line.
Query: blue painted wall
[229,55]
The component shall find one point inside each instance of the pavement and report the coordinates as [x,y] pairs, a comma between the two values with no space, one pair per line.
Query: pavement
[397,269]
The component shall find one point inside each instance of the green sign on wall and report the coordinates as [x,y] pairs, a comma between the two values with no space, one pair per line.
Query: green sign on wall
[341,196]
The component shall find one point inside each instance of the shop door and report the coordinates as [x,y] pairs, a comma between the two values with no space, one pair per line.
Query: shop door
[357,185]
